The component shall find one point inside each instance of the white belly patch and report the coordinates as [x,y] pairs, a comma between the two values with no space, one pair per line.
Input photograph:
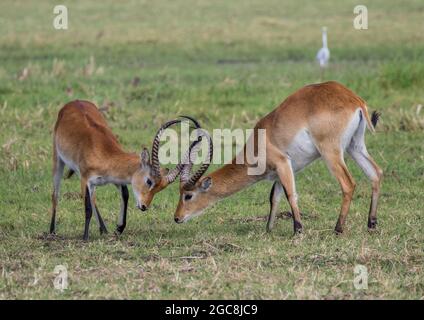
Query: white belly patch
[102,180]
[302,151]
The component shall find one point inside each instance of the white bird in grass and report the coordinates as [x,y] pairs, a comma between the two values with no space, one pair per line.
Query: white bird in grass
[323,55]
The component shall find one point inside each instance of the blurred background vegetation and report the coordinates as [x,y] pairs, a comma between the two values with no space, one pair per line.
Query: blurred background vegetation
[227,63]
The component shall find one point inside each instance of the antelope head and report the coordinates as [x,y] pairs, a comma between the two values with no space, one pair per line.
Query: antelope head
[150,178]
[195,191]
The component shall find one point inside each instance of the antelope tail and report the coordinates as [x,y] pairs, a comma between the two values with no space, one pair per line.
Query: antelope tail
[371,121]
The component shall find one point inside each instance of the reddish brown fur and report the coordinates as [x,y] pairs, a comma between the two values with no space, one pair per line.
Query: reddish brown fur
[83,138]
[325,109]
[82,134]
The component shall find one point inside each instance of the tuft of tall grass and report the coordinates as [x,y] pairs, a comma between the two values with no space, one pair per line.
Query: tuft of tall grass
[408,120]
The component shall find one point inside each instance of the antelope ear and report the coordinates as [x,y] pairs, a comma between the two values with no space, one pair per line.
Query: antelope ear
[206,184]
[145,158]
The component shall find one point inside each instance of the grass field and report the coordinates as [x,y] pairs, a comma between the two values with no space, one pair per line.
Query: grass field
[227,64]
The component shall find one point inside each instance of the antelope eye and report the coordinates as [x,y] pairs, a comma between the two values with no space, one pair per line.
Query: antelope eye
[188,196]
[149,182]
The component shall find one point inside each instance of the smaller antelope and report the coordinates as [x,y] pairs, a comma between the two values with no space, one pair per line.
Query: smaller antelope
[319,120]
[85,144]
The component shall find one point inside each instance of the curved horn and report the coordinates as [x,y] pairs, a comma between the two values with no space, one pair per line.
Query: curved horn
[190,154]
[172,175]
[188,160]
[155,146]
[204,166]
[196,123]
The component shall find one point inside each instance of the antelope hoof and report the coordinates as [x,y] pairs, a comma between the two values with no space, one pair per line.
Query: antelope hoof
[298,228]
[338,230]
[52,236]
[269,228]
[103,231]
[372,224]
[119,230]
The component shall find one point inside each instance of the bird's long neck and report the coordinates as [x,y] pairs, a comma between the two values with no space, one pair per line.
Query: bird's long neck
[324,39]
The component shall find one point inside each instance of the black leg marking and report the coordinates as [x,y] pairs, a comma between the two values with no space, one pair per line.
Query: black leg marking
[298,228]
[53,223]
[271,195]
[119,229]
[88,213]
[271,217]
[103,229]
[125,196]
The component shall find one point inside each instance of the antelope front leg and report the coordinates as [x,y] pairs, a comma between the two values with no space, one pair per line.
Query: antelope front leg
[122,222]
[88,213]
[102,226]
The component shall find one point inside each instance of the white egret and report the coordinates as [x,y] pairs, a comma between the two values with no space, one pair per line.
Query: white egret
[323,55]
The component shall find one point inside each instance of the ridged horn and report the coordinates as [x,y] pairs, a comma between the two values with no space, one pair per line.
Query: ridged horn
[155,146]
[191,181]
[172,174]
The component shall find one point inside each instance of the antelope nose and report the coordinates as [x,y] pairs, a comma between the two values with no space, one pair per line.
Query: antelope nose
[142,207]
[177,220]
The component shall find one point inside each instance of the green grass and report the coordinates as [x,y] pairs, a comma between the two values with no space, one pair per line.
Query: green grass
[221,62]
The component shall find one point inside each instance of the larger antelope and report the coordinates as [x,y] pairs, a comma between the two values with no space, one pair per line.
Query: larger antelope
[85,144]
[318,121]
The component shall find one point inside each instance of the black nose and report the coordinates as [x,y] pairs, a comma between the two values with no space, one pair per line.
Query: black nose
[177,220]
[143,208]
